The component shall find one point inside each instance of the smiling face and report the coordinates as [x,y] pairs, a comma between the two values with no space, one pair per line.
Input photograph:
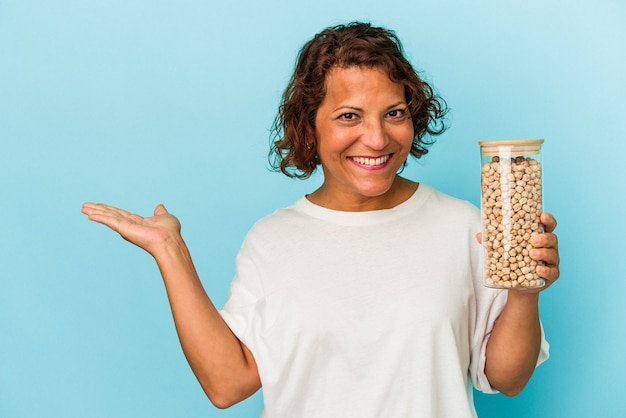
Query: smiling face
[363,134]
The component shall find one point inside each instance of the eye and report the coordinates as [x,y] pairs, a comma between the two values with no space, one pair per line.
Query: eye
[397,113]
[348,116]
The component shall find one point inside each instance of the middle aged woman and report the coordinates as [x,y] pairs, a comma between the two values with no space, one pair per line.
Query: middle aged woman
[364,298]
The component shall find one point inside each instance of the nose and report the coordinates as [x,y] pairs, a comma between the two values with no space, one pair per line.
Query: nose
[375,135]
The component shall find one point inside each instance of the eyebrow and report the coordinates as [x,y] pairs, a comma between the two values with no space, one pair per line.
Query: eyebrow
[358,109]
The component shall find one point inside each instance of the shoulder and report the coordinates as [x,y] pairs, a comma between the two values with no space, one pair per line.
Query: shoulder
[447,205]
[281,222]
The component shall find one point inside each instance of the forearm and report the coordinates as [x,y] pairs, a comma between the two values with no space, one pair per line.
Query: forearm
[222,364]
[514,344]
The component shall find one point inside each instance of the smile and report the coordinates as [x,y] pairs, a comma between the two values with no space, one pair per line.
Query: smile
[372,162]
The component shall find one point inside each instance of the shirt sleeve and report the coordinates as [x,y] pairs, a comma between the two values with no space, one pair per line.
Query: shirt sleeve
[245,292]
[484,325]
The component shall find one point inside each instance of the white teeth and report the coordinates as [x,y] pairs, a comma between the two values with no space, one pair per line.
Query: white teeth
[371,162]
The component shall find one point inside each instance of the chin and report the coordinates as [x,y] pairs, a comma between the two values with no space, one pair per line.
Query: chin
[375,190]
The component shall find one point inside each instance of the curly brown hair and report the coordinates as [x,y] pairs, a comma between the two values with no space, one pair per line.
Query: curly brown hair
[354,44]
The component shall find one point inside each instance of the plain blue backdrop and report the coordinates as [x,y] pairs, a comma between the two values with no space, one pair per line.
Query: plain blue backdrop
[137,102]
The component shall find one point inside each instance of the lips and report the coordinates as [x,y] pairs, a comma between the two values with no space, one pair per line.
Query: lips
[372,162]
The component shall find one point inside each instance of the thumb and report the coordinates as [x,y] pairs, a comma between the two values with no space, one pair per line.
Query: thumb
[479,237]
[160,209]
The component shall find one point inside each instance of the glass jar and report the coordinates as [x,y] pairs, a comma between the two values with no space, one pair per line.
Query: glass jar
[511,203]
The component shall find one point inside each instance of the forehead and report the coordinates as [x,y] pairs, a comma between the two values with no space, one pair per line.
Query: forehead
[356,81]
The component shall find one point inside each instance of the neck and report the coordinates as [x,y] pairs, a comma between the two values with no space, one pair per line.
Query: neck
[400,191]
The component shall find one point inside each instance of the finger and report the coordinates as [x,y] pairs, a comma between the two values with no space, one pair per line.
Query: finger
[107,219]
[97,208]
[117,219]
[160,209]
[550,256]
[88,207]
[548,221]
[101,210]
[127,215]
[545,240]
[94,209]
[479,237]
[548,272]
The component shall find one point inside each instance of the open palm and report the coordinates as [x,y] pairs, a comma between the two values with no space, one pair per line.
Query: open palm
[147,233]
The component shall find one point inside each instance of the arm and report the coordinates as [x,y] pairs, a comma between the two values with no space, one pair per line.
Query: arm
[515,340]
[223,365]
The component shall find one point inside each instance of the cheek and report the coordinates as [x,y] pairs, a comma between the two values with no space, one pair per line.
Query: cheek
[331,142]
[405,136]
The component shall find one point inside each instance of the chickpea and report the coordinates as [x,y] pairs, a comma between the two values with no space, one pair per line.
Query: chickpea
[511,217]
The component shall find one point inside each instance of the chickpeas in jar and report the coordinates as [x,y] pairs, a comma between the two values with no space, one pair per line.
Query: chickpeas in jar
[511,204]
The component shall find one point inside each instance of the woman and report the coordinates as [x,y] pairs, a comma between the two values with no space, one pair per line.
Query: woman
[365,297]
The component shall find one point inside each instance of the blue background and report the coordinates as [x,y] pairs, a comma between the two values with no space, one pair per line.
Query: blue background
[137,102]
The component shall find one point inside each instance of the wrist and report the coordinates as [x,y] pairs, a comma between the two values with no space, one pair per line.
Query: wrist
[523,297]
[172,246]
